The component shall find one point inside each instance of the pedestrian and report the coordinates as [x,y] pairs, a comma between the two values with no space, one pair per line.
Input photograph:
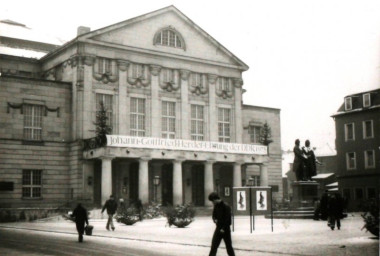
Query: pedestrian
[335,210]
[80,216]
[111,207]
[324,202]
[222,218]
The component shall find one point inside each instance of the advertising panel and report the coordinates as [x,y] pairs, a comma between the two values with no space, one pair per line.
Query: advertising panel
[261,200]
[241,201]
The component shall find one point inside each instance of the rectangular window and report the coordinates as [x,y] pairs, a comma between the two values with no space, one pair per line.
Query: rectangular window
[137,70]
[107,102]
[167,75]
[254,180]
[104,65]
[31,183]
[224,123]
[168,120]
[33,122]
[197,122]
[197,79]
[359,193]
[368,129]
[349,131]
[348,103]
[224,84]
[351,160]
[371,193]
[369,159]
[347,193]
[137,117]
[366,100]
[254,132]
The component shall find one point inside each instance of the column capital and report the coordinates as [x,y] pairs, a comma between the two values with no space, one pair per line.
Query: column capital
[178,161]
[184,74]
[106,157]
[212,78]
[145,159]
[88,59]
[210,161]
[155,69]
[238,82]
[122,64]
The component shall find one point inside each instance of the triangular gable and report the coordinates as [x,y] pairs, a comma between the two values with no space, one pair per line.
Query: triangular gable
[139,32]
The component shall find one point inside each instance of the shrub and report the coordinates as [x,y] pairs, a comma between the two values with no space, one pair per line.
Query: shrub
[180,216]
[371,217]
[127,216]
[153,210]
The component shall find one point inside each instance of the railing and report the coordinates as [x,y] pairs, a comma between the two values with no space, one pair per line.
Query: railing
[95,142]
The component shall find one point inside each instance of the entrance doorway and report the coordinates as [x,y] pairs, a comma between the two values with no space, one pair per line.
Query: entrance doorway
[197,181]
[167,184]
[133,182]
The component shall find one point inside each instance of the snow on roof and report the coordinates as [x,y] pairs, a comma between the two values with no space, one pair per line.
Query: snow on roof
[21,52]
[12,29]
[334,184]
[322,176]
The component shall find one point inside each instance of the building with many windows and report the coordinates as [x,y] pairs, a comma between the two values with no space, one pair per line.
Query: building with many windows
[172,95]
[357,125]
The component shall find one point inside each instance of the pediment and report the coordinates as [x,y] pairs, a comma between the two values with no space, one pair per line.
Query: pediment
[139,33]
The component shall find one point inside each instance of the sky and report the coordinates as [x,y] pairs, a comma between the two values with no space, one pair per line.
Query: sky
[304,56]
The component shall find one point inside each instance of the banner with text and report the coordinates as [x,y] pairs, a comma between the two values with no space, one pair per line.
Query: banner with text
[188,145]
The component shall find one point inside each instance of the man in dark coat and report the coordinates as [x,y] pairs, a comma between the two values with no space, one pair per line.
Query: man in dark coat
[298,162]
[335,210]
[80,215]
[222,218]
[111,207]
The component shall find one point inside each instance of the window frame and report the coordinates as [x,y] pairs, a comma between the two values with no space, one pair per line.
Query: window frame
[346,132]
[33,127]
[160,38]
[140,115]
[224,127]
[199,122]
[365,136]
[348,103]
[168,120]
[31,186]
[255,136]
[348,161]
[366,159]
[364,100]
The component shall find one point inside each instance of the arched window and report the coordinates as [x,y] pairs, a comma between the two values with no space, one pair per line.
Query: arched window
[169,37]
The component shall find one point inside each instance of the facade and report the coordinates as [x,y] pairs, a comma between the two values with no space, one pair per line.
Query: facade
[357,125]
[173,97]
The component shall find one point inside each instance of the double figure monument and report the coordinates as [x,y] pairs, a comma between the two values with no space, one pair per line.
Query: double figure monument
[305,191]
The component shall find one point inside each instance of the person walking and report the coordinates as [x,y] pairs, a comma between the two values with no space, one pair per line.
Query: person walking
[222,218]
[80,216]
[335,210]
[111,207]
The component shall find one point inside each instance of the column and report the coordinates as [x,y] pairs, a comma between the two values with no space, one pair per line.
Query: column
[213,111]
[106,178]
[155,106]
[237,175]
[88,97]
[177,182]
[123,118]
[209,181]
[185,107]
[263,175]
[143,180]
[238,112]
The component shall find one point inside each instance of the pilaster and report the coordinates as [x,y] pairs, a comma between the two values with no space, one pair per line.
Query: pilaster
[209,180]
[213,113]
[155,111]
[123,118]
[185,108]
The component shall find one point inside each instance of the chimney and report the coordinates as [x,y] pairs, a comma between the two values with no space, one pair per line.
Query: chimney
[83,30]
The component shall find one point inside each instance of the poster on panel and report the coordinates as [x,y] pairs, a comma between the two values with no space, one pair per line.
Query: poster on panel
[241,201]
[261,200]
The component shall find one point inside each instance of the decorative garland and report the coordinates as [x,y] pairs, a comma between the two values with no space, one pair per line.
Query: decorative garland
[21,107]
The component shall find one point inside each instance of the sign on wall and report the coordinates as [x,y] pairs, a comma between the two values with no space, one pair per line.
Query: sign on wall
[189,145]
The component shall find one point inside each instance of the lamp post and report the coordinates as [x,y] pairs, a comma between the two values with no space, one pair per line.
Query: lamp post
[156,182]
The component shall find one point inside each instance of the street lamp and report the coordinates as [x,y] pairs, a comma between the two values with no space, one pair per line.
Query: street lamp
[156,182]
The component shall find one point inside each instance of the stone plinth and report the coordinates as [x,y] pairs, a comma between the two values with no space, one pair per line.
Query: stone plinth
[304,194]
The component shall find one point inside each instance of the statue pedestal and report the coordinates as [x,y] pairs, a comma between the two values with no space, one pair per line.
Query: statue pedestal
[304,194]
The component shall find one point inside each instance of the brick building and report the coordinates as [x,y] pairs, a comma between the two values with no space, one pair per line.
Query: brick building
[173,95]
[357,125]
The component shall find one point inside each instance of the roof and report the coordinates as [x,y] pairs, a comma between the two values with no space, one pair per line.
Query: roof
[87,36]
[334,184]
[322,176]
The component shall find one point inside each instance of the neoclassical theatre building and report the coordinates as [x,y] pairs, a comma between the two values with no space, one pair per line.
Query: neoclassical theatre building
[173,96]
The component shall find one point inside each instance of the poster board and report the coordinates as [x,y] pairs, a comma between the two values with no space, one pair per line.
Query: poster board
[261,200]
[241,201]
